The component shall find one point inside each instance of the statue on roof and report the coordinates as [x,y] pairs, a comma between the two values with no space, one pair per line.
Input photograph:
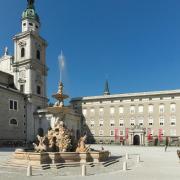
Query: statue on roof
[6,51]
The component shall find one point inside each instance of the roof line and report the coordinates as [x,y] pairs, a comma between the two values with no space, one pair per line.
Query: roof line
[124,95]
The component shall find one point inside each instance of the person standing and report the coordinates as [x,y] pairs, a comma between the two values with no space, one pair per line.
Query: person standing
[166,143]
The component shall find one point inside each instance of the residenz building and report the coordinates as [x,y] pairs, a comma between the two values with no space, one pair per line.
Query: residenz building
[133,119]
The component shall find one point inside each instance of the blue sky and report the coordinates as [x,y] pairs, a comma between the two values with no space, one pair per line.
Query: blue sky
[133,43]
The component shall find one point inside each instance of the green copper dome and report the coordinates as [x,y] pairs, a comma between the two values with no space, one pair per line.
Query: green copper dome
[30,12]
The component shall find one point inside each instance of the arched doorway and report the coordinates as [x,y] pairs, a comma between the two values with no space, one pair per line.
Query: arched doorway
[136,140]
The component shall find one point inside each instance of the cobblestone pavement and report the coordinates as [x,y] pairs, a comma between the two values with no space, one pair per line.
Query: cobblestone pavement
[155,164]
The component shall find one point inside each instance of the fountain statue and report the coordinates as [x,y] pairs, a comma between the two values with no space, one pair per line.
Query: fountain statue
[59,139]
[81,147]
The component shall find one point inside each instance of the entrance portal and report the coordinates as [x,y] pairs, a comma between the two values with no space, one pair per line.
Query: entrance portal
[136,140]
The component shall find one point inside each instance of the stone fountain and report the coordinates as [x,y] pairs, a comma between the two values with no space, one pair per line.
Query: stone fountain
[58,145]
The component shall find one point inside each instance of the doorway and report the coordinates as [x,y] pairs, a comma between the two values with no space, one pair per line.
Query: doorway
[136,140]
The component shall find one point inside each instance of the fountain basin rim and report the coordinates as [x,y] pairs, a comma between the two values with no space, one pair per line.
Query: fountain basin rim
[58,109]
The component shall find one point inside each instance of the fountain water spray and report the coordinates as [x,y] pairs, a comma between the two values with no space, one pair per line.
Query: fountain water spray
[61,60]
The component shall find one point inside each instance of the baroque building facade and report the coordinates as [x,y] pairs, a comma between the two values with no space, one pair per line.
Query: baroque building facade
[133,119]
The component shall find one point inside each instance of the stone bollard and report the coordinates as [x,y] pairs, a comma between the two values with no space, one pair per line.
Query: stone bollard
[124,166]
[127,156]
[138,158]
[29,170]
[83,170]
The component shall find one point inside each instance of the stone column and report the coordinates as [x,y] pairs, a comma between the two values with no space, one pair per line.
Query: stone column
[131,139]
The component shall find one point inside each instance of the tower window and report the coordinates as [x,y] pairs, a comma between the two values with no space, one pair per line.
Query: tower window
[38,54]
[24,24]
[22,52]
[38,90]
[30,24]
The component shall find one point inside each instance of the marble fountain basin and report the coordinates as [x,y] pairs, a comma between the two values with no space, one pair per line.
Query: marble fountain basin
[23,158]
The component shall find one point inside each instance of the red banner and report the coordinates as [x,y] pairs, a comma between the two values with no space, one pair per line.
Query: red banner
[149,135]
[116,134]
[160,135]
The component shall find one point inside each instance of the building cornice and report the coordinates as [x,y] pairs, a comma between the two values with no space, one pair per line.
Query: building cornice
[12,90]
[129,95]
[29,33]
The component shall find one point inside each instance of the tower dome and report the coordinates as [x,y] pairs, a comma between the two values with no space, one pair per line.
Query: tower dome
[30,19]
[30,12]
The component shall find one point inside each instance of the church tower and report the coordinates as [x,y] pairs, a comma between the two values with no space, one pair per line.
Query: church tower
[106,88]
[29,66]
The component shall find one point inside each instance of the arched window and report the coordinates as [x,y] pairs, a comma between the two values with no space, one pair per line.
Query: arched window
[13,122]
[22,52]
[38,55]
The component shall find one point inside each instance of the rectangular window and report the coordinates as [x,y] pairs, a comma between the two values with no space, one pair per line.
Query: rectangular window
[150,121]
[101,112]
[150,108]
[161,108]
[121,122]
[173,120]
[112,110]
[132,109]
[101,122]
[140,109]
[173,108]
[92,112]
[121,133]
[13,105]
[112,133]
[121,110]
[112,123]
[141,121]
[161,121]
[38,90]
[92,123]
[132,122]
